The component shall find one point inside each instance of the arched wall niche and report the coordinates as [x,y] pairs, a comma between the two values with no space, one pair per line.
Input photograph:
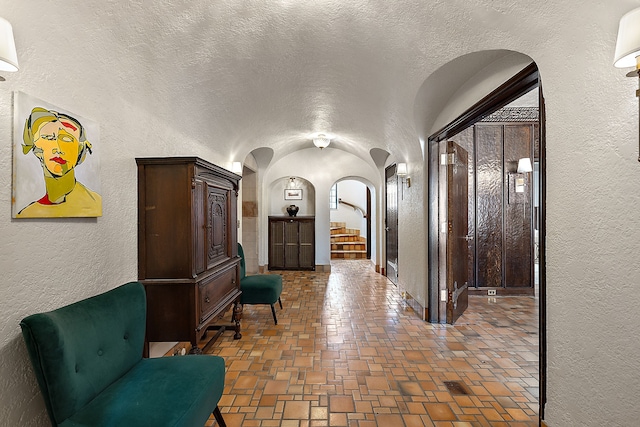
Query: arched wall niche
[284,192]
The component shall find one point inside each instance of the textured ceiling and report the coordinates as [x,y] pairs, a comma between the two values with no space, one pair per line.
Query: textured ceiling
[260,73]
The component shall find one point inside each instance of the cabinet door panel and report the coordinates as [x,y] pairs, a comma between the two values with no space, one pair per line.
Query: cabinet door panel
[276,245]
[291,236]
[307,244]
[217,214]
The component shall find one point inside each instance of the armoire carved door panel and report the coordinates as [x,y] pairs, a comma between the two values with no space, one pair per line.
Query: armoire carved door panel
[216,229]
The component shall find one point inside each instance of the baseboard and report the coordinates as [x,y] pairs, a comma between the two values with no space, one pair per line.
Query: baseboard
[420,311]
[323,268]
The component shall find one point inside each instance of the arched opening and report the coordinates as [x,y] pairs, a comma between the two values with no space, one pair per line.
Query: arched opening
[351,212]
[519,198]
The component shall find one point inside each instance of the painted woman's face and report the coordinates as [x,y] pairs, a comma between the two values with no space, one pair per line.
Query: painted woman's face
[58,146]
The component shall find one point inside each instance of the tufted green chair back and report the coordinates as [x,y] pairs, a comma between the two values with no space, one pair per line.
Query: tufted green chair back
[79,349]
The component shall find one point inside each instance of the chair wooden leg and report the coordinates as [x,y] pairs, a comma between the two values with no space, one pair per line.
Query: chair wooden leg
[273,311]
[280,301]
[218,416]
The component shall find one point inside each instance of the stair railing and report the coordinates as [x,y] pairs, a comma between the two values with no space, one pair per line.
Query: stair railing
[355,208]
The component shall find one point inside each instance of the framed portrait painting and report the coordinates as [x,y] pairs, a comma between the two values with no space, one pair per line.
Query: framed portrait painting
[56,162]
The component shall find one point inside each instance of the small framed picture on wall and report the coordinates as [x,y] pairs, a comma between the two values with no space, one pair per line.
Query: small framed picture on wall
[293,194]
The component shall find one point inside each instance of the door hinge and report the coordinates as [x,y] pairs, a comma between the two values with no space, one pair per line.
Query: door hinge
[447,159]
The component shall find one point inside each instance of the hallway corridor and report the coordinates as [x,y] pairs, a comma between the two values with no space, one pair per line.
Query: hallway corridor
[348,352]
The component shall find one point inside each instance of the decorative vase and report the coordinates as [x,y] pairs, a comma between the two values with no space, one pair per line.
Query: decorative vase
[292,210]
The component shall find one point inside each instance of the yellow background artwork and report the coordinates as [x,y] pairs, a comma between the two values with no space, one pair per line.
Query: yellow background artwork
[55,162]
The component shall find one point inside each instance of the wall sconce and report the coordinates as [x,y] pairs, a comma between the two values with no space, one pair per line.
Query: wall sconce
[8,55]
[292,182]
[236,167]
[524,165]
[519,177]
[628,48]
[321,141]
[402,171]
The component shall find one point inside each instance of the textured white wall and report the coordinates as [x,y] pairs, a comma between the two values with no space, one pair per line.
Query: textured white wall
[45,264]
[593,224]
[97,59]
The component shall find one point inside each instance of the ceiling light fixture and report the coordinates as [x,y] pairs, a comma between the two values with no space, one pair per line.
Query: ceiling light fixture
[321,141]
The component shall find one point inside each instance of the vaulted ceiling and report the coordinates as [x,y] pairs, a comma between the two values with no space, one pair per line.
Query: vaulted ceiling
[259,73]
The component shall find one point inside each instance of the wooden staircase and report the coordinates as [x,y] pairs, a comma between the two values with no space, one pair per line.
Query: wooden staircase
[347,243]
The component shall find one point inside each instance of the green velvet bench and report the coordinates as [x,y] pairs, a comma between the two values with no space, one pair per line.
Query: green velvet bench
[259,288]
[88,361]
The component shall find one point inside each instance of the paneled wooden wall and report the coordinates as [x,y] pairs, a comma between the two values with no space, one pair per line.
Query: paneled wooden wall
[500,220]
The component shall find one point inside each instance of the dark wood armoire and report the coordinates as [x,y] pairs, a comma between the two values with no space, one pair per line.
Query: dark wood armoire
[292,243]
[187,247]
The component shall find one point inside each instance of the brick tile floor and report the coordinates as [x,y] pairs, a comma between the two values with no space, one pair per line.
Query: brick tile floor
[348,351]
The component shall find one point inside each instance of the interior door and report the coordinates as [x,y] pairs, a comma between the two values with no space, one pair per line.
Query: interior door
[391,248]
[457,231]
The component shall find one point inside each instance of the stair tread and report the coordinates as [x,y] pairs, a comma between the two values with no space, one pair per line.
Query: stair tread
[353,251]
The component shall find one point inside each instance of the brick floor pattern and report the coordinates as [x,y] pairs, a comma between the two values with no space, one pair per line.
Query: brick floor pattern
[348,351]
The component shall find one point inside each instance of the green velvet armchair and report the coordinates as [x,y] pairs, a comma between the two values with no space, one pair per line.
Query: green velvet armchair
[259,288]
[87,358]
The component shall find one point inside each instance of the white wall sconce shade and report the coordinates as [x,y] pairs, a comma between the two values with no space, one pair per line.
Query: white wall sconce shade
[628,48]
[402,171]
[628,42]
[8,55]
[524,165]
[321,141]
[236,167]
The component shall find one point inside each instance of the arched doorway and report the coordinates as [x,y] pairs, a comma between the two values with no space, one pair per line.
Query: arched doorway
[523,82]
[350,204]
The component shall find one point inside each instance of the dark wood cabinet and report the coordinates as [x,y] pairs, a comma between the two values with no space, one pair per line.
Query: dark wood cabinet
[292,243]
[187,246]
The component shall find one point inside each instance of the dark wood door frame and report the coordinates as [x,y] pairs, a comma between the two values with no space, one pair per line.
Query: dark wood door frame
[518,85]
[391,224]
[368,223]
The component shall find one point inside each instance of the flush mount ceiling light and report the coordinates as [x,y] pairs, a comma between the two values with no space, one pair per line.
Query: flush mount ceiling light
[321,141]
